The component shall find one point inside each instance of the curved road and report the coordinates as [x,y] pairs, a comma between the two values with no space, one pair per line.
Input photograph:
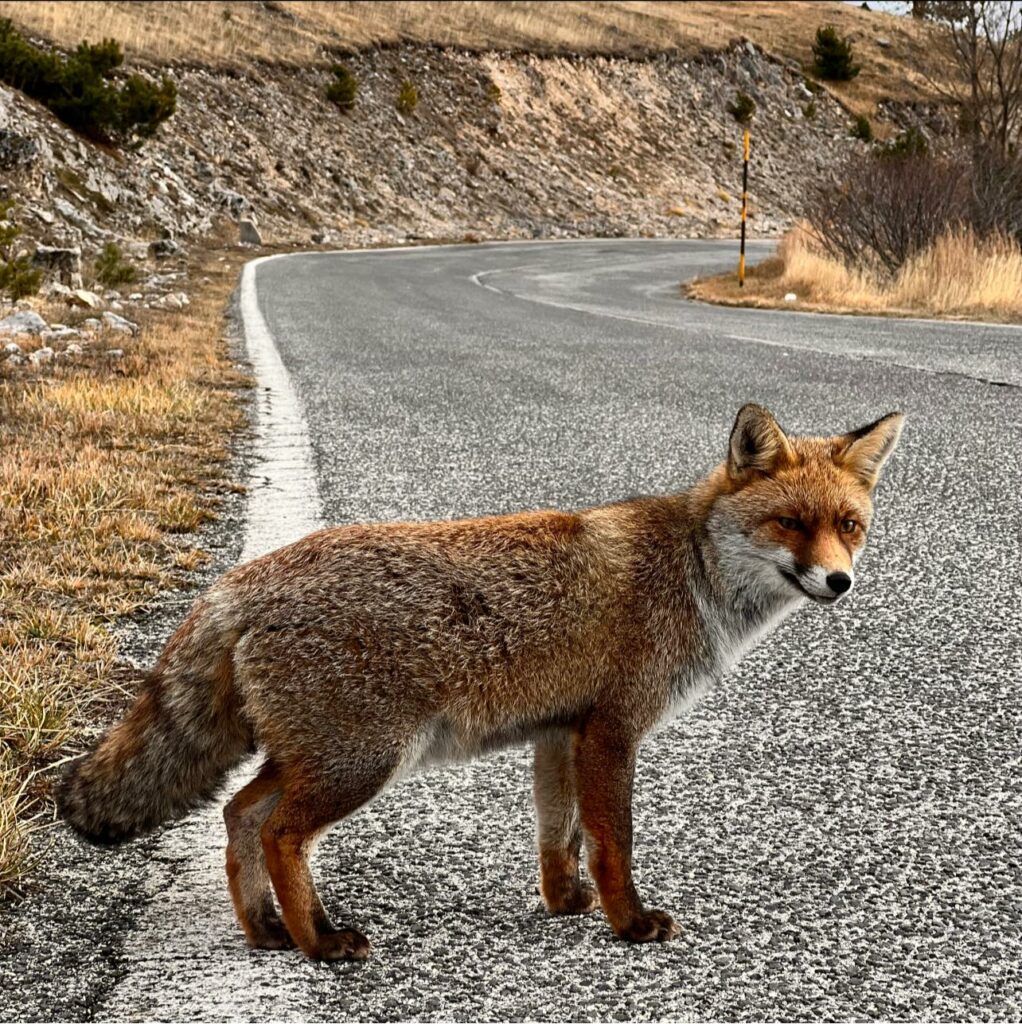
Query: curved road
[837,828]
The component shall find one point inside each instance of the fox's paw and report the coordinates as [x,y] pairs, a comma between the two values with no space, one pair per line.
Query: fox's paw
[581,898]
[269,933]
[346,944]
[650,926]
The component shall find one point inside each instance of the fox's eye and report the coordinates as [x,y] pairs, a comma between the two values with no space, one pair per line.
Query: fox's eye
[788,523]
[849,526]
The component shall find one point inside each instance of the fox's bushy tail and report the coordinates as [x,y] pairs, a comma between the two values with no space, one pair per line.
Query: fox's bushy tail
[173,748]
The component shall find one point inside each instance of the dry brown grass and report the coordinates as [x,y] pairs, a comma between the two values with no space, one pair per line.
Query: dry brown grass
[105,468]
[302,33]
[960,276]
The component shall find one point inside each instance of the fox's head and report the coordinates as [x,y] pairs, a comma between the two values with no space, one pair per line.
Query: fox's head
[792,513]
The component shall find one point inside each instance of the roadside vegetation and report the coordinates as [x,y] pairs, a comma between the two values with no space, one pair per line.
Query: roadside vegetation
[107,468]
[913,227]
[18,277]
[959,276]
[80,89]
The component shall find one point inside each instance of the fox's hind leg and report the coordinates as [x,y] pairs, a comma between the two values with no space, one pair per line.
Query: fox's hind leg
[247,876]
[309,804]
[558,832]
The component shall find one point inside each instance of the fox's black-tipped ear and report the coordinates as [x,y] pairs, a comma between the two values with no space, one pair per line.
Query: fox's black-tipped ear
[863,452]
[757,442]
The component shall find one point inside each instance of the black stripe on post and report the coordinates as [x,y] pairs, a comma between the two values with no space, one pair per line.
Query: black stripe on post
[745,207]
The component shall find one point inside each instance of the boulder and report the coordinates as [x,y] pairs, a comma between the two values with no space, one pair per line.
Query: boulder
[17,152]
[25,321]
[58,333]
[248,233]
[56,290]
[163,247]
[57,264]
[41,356]
[86,299]
[113,322]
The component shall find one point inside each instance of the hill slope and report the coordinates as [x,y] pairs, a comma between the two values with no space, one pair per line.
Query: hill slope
[897,53]
[548,119]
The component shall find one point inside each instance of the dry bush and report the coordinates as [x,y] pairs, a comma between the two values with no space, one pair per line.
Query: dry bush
[102,466]
[996,192]
[881,210]
[878,212]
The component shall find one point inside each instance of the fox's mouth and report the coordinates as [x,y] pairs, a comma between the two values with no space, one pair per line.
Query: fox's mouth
[791,578]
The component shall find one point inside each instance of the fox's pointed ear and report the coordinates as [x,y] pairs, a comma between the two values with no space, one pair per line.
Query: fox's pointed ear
[863,452]
[757,442]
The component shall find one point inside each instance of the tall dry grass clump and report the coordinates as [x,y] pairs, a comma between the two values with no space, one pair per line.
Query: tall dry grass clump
[106,467]
[963,275]
[960,274]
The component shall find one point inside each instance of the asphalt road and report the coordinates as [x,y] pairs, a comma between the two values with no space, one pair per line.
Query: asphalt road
[837,827]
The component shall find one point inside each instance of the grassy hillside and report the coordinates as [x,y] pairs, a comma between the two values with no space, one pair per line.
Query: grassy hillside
[897,54]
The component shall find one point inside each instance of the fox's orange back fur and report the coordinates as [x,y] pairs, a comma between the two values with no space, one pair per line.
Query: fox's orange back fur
[361,653]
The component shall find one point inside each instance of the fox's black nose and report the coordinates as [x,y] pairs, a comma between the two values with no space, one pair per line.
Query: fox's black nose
[839,582]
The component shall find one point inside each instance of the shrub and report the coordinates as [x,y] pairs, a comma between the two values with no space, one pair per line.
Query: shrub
[79,90]
[911,142]
[879,213]
[111,268]
[883,210]
[343,90]
[17,278]
[743,109]
[832,56]
[407,98]
[996,192]
[862,129]
[809,110]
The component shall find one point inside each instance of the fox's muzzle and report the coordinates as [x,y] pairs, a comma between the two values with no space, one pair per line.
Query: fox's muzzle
[816,583]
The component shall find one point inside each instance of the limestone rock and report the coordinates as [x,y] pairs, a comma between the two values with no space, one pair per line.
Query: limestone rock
[63,265]
[119,325]
[24,321]
[248,233]
[41,356]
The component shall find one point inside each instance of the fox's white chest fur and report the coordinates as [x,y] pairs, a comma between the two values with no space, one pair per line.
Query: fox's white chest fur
[731,632]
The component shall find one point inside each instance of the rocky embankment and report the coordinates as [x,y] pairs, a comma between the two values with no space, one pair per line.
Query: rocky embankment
[498,146]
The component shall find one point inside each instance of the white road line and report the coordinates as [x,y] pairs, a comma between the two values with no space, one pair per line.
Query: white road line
[284,502]
[187,922]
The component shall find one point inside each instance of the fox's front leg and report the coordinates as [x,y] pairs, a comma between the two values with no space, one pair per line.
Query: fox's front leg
[604,771]
[558,831]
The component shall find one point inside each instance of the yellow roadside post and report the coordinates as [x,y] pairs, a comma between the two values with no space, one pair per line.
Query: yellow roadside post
[745,207]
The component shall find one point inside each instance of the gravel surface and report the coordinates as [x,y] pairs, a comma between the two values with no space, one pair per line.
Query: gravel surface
[836,827]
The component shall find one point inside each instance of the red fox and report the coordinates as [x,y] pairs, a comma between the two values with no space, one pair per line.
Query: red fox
[362,653]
